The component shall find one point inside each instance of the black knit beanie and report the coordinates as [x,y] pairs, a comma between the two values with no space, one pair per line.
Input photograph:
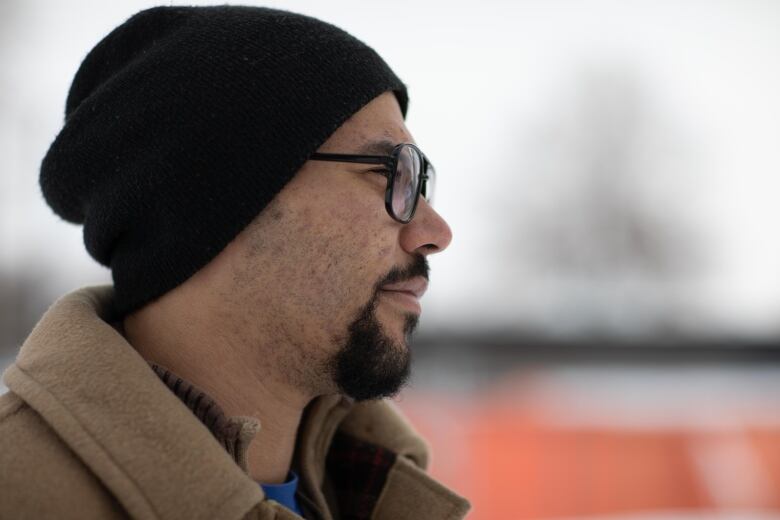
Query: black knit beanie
[183,123]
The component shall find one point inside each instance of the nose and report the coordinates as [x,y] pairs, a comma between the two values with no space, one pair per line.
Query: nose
[427,233]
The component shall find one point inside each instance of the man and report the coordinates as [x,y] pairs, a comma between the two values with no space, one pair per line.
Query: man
[247,175]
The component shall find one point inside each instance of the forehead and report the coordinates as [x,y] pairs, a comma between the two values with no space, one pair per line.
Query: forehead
[375,129]
[381,146]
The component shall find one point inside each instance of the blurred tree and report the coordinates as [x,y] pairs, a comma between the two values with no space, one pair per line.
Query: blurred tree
[598,206]
[614,211]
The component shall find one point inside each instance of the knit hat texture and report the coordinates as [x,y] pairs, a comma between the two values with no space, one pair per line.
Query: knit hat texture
[183,123]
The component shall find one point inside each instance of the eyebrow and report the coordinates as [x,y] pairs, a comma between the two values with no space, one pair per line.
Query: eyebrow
[381,147]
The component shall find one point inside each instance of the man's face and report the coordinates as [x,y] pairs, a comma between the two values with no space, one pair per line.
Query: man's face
[307,273]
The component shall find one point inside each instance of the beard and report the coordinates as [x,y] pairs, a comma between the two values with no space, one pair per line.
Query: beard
[371,364]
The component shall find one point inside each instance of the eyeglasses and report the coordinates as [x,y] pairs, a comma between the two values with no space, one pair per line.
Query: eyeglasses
[409,173]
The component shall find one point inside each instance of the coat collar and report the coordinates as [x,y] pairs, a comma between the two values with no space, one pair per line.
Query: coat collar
[108,405]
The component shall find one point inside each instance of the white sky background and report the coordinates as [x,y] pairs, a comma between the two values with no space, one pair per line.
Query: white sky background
[513,102]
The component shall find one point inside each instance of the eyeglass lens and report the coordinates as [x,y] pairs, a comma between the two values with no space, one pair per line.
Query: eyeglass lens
[430,183]
[406,183]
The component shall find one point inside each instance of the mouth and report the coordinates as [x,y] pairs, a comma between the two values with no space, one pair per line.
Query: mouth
[406,299]
[407,293]
[415,286]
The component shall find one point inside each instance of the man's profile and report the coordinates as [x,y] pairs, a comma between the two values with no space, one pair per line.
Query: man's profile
[247,176]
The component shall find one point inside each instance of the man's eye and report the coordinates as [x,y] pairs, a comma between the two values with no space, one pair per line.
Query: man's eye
[383,171]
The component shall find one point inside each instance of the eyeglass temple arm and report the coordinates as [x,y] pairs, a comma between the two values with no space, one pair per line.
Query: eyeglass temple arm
[371,159]
[337,157]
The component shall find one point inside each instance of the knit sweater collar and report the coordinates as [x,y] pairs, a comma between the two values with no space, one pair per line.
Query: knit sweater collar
[233,433]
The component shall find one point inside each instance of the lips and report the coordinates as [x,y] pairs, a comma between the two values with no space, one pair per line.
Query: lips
[416,287]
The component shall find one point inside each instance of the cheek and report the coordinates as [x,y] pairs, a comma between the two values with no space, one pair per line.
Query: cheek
[340,250]
[310,271]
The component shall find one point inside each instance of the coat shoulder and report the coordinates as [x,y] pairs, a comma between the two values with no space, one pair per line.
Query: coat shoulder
[40,476]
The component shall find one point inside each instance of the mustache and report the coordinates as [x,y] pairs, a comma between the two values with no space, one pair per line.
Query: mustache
[418,267]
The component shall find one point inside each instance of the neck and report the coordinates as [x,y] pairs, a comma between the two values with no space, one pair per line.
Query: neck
[239,388]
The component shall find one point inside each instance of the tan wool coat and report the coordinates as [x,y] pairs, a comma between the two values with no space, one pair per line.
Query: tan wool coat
[88,429]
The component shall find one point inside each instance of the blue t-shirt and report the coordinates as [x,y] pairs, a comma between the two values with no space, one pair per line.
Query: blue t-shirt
[284,493]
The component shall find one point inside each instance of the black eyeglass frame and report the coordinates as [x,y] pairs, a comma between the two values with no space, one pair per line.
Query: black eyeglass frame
[391,162]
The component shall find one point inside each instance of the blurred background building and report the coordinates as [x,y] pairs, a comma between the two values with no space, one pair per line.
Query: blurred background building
[602,338]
